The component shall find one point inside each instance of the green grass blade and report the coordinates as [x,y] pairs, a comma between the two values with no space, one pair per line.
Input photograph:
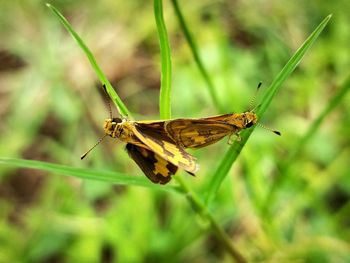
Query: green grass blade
[233,152]
[290,66]
[111,92]
[284,167]
[165,89]
[165,113]
[195,54]
[85,173]
[199,207]
[334,101]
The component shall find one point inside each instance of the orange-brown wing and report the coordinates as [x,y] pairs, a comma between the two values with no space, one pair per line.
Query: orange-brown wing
[153,127]
[158,141]
[156,168]
[158,124]
[197,133]
[222,117]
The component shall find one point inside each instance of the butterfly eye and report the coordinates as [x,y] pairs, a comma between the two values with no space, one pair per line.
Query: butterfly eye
[249,124]
[116,120]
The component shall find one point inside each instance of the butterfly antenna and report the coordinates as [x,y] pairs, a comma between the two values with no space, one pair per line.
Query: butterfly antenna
[99,141]
[252,101]
[269,129]
[108,101]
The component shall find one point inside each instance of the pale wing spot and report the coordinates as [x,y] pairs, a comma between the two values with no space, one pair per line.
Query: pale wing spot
[160,166]
[167,150]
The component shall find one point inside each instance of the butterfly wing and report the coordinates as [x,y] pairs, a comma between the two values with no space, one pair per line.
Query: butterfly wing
[220,118]
[156,168]
[160,143]
[197,133]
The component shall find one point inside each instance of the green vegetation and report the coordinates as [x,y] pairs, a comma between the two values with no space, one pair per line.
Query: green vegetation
[270,199]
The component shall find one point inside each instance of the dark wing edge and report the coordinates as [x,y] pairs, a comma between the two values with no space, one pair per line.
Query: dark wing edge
[165,147]
[197,133]
[149,162]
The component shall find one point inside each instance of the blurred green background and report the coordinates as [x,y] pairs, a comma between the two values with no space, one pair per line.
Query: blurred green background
[285,199]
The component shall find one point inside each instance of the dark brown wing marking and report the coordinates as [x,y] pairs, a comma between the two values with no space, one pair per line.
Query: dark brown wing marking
[197,133]
[159,142]
[157,169]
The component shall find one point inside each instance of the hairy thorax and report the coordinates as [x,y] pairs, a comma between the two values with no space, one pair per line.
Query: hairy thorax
[242,120]
[121,129]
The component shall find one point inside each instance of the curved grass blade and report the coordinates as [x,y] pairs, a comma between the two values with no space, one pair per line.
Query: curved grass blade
[165,53]
[164,104]
[195,54]
[111,92]
[83,173]
[233,152]
[332,104]
[284,167]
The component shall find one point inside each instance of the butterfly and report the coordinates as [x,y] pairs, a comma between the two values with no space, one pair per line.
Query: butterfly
[198,133]
[151,148]
[158,147]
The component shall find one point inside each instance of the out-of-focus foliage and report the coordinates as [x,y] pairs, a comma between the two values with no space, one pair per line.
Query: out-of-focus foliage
[284,201]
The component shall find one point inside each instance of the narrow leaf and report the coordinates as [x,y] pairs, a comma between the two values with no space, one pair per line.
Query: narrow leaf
[165,53]
[233,152]
[85,173]
[195,54]
[111,92]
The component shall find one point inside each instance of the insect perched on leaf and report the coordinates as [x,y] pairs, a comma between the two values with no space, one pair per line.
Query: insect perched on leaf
[150,147]
[157,147]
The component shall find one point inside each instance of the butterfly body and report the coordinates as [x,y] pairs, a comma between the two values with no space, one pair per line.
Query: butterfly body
[155,153]
[198,133]
[121,129]
[157,147]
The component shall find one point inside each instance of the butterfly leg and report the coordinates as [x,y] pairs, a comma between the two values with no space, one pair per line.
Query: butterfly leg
[233,137]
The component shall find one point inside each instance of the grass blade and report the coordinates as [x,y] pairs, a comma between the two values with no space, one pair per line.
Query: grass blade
[233,152]
[333,102]
[165,88]
[111,92]
[165,113]
[290,66]
[83,173]
[195,54]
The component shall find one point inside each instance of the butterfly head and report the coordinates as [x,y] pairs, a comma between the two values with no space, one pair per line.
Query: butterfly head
[249,119]
[250,116]
[110,125]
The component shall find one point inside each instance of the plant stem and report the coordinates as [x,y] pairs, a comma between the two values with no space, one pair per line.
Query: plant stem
[165,87]
[304,140]
[197,59]
[199,206]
